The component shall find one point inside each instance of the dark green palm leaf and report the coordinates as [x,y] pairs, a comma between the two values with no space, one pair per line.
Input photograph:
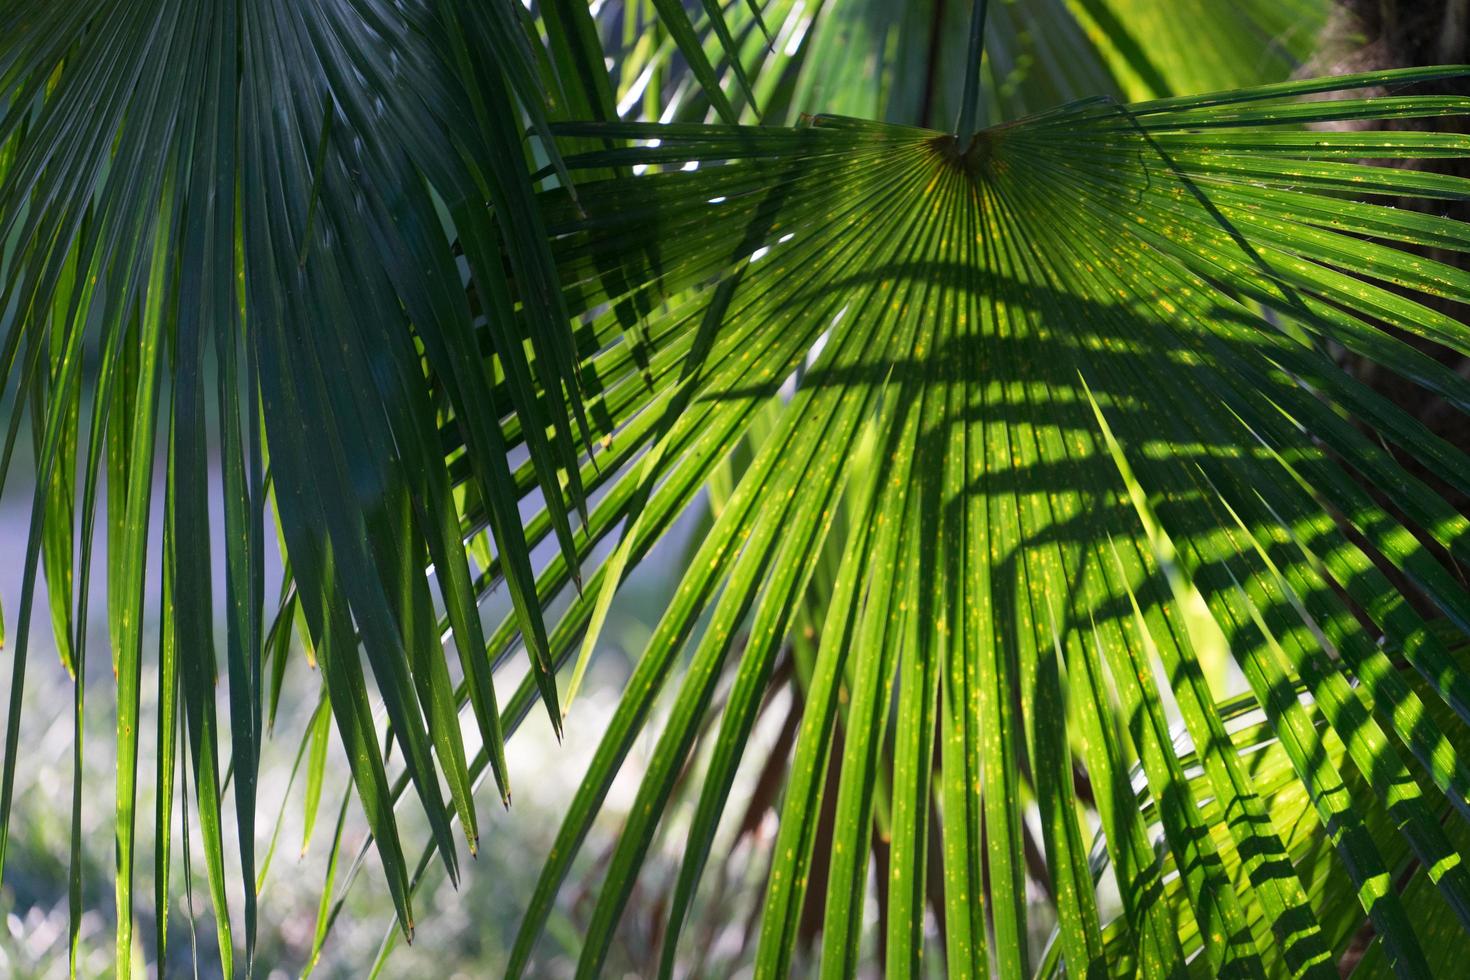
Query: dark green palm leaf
[233,212]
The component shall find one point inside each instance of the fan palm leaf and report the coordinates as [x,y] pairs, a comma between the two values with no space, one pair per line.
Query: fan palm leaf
[1087,352]
[1036,425]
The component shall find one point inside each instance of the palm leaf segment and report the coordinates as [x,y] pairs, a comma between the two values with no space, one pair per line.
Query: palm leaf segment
[1062,407]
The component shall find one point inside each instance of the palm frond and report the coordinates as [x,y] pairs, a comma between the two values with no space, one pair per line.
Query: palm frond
[1088,352]
[234,212]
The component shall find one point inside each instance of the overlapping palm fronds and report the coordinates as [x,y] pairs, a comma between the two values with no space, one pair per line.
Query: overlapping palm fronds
[906,63]
[1033,422]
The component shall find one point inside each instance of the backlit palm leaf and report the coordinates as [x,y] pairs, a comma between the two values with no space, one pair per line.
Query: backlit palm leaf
[1085,353]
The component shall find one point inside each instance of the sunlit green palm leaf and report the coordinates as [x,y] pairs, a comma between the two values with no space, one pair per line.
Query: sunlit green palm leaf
[1090,350]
